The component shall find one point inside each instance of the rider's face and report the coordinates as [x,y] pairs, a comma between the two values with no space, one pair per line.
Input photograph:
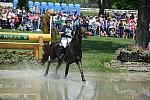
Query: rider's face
[68,24]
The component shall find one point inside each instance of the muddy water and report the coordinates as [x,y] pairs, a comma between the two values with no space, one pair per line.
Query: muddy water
[31,85]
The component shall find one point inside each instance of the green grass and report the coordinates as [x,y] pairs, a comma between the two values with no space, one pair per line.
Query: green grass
[98,50]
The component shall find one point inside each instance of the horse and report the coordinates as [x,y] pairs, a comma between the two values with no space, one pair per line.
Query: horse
[72,52]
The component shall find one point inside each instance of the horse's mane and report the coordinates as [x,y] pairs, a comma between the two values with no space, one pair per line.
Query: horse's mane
[77,35]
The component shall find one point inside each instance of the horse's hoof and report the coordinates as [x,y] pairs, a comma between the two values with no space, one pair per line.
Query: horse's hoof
[56,72]
[45,75]
[83,79]
[65,77]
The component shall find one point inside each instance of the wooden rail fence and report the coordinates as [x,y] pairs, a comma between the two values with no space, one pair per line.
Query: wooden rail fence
[28,41]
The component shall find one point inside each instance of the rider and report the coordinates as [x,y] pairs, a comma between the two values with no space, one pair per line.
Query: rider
[66,35]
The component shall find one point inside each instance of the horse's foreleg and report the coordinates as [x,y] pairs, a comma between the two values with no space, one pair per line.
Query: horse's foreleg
[47,69]
[58,65]
[79,63]
[67,68]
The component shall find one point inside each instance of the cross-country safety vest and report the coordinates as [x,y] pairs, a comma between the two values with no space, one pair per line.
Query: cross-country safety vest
[66,37]
[68,32]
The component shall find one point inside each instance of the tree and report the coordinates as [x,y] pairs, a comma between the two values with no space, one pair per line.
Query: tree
[115,4]
[67,1]
[102,4]
[124,4]
[142,35]
[22,3]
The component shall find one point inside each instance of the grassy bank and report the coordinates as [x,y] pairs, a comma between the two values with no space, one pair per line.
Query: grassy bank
[98,50]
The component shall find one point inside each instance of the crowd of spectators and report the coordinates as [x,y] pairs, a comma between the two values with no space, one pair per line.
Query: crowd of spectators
[17,19]
[118,24]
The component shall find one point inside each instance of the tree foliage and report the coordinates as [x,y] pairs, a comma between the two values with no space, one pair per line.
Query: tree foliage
[124,4]
[102,4]
[116,4]
[22,3]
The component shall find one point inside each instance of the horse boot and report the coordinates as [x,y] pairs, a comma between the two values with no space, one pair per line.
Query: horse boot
[62,55]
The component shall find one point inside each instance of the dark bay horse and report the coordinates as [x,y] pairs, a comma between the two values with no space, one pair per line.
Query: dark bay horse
[73,53]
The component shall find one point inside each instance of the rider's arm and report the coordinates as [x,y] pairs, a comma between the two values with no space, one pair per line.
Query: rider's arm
[61,33]
[62,30]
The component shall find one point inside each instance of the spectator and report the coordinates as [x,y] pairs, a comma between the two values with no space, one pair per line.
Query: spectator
[121,28]
[97,27]
[35,21]
[4,20]
[111,27]
[132,29]
[103,33]
[105,25]
[12,24]
[16,21]
[127,31]
[58,22]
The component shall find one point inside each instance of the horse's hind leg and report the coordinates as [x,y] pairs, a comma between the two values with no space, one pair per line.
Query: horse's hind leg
[47,69]
[58,65]
[67,68]
[79,63]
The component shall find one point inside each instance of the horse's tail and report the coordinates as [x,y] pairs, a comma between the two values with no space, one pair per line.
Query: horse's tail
[49,50]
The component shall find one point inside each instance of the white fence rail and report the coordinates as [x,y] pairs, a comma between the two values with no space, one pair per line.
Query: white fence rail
[107,10]
[89,9]
[115,10]
[3,4]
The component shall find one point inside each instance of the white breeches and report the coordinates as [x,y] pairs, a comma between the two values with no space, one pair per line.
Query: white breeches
[65,41]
